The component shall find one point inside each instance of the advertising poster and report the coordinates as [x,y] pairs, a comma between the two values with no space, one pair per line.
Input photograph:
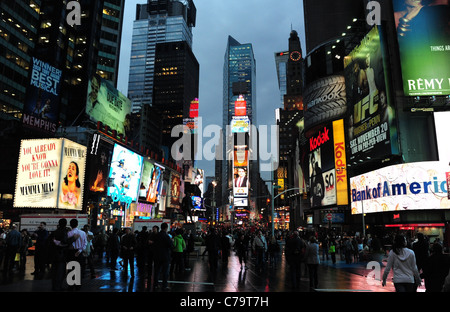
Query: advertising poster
[240,124]
[41,107]
[124,175]
[50,174]
[199,180]
[371,124]
[423,34]
[147,169]
[175,191]
[321,168]
[240,182]
[340,162]
[240,106]
[410,186]
[107,105]
[73,167]
[99,158]
[197,202]
[240,156]
[155,184]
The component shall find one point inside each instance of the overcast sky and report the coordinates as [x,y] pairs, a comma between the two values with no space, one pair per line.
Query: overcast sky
[263,23]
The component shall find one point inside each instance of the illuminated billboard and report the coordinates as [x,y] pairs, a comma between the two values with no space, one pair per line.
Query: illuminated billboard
[198,179]
[240,124]
[107,105]
[50,174]
[175,191]
[240,106]
[410,186]
[99,158]
[155,185]
[371,125]
[124,175]
[424,40]
[240,156]
[41,107]
[197,203]
[240,182]
[147,168]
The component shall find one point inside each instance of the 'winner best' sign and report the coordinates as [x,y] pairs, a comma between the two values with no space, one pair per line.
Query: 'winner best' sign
[50,174]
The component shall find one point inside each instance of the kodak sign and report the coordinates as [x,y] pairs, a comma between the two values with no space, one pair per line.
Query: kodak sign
[319,140]
[340,162]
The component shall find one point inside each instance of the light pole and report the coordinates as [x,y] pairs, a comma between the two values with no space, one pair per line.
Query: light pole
[214,183]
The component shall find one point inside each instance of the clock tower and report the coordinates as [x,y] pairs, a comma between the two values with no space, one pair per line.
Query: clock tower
[294,74]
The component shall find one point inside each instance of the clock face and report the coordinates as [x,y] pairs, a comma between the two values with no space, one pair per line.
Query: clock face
[295,56]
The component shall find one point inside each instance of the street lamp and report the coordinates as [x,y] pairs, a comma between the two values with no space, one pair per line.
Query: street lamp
[213,206]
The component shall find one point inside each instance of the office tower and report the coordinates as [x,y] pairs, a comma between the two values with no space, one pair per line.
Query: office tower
[239,73]
[281,60]
[110,39]
[156,22]
[176,84]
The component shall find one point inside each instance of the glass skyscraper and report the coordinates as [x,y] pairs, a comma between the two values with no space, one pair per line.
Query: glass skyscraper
[156,22]
[239,70]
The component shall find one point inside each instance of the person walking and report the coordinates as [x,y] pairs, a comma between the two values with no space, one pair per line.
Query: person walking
[59,244]
[213,245]
[295,248]
[142,248]
[241,246]
[23,249]
[435,269]
[40,250]
[421,249]
[162,252]
[77,248]
[312,257]
[113,248]
[89,250]
[348,250]
[151,251]
[332,250]
[402,261]
[259,246]
[179,245]
[13,242]
[127,249]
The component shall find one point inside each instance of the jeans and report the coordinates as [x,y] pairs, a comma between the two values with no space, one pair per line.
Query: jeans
[405,287]
[313,278]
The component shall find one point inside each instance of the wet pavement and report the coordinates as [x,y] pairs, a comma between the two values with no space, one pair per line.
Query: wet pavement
[230,277]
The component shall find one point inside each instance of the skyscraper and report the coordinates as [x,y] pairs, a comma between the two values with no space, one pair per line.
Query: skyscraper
[239,78]
[158,21]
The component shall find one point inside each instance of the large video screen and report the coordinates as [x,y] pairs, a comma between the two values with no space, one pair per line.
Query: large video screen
[107,105]
[124,174]
[404,187]
[424,40]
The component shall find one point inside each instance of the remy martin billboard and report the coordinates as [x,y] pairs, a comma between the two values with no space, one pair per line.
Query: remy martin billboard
[371,126]
[423,34]
[50,174]
[107,105]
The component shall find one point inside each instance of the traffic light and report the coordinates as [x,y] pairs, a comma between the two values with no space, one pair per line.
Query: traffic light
[268,201]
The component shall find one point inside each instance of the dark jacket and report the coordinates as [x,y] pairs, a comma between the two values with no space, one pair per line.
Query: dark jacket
[128,245]
[435,269]
[163,247]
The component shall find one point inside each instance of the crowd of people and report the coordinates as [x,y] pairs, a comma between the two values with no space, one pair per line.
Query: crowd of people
[162,252]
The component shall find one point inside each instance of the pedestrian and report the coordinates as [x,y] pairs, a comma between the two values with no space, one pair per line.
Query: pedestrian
[142,248]
[332,250]
[435,269]
[151,251]
[403,263]
[100,243]
[313,260]
[259,247]
[113,248]
[348,250]
[23,249]
[59,244]
[88,252]
[40,250]
[190,246]
[273,249]
[179,245]
[213,246]
[325,247]
[162,252]
[295,248]
[226,247]
[127,249]
[241,246]
[421,249]
[13,242]
[77,248]
[2,246]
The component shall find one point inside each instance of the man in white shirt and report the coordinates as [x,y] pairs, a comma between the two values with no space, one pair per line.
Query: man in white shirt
[76,252]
